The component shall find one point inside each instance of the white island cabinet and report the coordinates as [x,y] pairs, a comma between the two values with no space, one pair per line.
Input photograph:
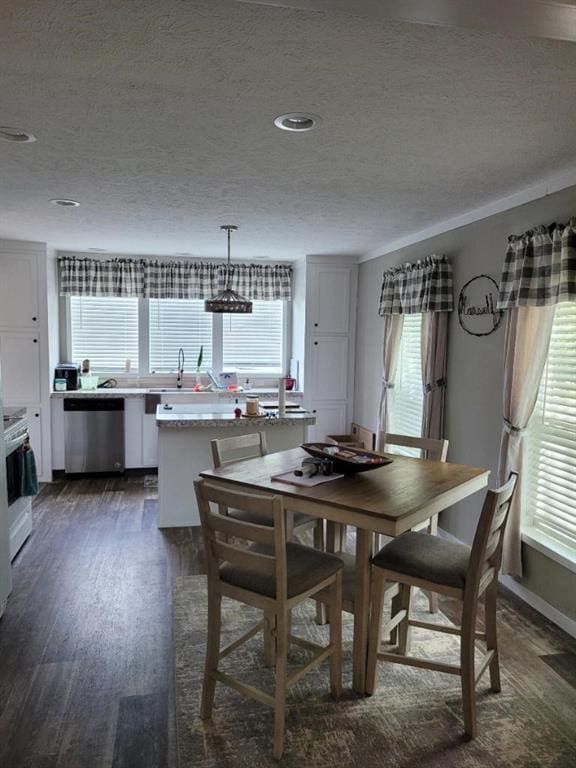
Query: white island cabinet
[184,435]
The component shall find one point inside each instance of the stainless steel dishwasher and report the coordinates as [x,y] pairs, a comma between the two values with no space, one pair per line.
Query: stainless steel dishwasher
[93,434]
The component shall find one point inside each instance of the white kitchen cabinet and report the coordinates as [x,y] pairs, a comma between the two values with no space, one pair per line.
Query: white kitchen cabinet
[323,333]
[149,440]
[329,368]
[19,306]
[331,419]
[35,431]
[133,410]
[20,356]
[330,289]
[140,434]
[25,352]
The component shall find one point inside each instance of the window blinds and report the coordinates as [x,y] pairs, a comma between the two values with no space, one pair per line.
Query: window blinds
[104,330]
[175,323]
[550,474]
[254,343]
[407,396]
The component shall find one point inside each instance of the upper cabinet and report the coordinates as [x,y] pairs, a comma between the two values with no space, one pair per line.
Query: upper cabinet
[19,306]
[20,359]
[331,288]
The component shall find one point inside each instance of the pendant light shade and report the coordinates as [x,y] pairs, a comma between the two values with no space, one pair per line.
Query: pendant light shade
[228,300]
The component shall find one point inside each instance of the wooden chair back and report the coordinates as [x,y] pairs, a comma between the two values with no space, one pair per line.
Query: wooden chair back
[227,450]
[218,528]
[430,448]
[486,554]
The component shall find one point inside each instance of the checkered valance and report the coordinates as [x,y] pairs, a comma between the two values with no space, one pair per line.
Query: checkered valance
[155,279]
[540,267]
[425,286]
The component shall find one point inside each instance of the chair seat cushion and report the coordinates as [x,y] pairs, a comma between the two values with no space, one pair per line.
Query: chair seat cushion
[305,568]
[248,516]
[426,557]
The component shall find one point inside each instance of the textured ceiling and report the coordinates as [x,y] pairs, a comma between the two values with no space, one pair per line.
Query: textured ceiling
[157,117]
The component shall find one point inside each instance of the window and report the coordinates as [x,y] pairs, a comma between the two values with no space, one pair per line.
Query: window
[149,332]
[175,323]
[549,482]
[104,330]
[406,402]
[255,342]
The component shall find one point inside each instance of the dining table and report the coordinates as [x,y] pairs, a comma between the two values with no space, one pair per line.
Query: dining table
[388,500]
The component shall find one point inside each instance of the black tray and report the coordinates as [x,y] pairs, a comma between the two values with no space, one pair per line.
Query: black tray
[346,464]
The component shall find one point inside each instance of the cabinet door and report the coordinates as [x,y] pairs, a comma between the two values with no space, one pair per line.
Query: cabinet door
[20,367]
[331,419]
[35,430]
[331,299]
[19,291]
[330,368]
[149,440]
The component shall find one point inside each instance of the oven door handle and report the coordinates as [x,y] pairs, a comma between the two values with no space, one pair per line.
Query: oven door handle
[16,443]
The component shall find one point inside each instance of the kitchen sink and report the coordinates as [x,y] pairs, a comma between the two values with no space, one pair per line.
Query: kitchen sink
[170,390]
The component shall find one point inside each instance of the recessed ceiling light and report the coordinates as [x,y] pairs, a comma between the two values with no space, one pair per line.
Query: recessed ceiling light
[97,250]
[182,253]
[16,134]
[297,121]
[65,203]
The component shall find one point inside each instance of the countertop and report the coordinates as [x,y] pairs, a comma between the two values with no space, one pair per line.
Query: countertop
[166,392]
[168,420]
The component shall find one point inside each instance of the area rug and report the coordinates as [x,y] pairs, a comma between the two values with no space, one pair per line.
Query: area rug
[414,720]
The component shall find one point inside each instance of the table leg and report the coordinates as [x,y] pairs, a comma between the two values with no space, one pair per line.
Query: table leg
[361,609]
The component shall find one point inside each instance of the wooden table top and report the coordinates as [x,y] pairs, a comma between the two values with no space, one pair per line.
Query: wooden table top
[405,489]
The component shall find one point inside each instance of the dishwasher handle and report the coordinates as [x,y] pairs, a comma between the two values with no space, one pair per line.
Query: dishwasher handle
[79,404]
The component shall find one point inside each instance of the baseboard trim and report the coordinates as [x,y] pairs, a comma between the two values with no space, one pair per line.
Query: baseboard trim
[540,605]
[534,601]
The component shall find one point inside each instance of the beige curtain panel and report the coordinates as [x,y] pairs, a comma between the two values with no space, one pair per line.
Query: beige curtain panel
[434,342]
[392,335]
[528,331]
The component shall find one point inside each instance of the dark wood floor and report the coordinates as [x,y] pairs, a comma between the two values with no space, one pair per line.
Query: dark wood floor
[85,644]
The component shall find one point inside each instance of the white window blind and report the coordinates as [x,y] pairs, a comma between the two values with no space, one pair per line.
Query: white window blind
[407,398]
[254,343]
[104,330]
[175,323]
[549,483]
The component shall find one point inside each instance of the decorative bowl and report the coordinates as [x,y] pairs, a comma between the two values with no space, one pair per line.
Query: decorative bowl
[347,460]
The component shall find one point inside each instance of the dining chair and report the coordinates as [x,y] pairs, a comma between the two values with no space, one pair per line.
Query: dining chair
[431,449]
[227,450]
[261,570]
[455,570]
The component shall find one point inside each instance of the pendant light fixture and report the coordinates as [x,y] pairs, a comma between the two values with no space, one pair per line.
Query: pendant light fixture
[228,300]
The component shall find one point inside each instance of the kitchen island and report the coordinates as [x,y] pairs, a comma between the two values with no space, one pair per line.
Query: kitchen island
[184,435]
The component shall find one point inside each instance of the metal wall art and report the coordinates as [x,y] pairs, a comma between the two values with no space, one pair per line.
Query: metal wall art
[477,313]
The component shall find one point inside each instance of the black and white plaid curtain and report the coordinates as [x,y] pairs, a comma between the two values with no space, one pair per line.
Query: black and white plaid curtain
[425,286]
[539,267]
[155,279]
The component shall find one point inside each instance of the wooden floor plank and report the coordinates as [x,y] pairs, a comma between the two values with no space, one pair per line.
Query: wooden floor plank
[142,732]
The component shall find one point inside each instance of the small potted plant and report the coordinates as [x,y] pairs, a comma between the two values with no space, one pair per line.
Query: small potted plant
[198,385]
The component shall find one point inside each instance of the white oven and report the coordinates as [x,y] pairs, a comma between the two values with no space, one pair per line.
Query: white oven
[16,442]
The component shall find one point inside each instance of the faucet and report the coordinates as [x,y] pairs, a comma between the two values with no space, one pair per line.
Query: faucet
[180,368]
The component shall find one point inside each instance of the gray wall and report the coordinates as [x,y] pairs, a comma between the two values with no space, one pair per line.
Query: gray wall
[474,392]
